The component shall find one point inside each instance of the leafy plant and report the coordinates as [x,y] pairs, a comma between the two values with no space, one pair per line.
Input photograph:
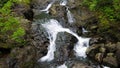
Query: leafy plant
[10,28]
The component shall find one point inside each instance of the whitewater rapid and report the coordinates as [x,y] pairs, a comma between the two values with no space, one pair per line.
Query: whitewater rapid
[53,28]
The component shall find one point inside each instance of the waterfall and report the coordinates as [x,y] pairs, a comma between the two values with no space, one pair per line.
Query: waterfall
[70,16]
[53,28]
[63,2]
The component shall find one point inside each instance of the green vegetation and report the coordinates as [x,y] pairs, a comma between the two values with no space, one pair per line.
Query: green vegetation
[107,8]
[21,1]
[11,30]
[108,14]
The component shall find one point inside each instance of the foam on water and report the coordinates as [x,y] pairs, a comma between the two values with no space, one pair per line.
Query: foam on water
[48,7]
[63,2]
[84,30]
[62,66]
[53,28]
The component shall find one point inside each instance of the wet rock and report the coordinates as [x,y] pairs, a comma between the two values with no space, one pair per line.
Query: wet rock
[64,47]
[97,40]
[39,39]
[58,11]
[80,65]
[99,57]
[111,47]
[39,4]
[92,50]
[112,61]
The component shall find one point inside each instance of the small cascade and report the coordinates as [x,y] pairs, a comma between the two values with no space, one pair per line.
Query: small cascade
[63,2]
[81,46]
[70,16]
[62,66]
[84,30]
[48,7]
[53,28]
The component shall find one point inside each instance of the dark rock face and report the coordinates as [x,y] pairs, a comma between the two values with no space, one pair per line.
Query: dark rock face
[29,14]
[64,47]
[39,40]
[21,58]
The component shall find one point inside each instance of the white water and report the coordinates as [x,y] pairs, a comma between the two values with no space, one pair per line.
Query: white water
[48,7]
[62,66]
[70,16]
[105,67]
[84,30]
[81,46]
[53,28]
[63,2]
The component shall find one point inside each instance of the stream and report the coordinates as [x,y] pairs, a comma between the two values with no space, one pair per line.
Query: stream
[57,33]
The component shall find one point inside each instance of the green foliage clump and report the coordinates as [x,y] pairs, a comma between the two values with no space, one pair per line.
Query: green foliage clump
[21,1]
[17,34]
[108,8]
[10,29]
[107,12]
[2,2]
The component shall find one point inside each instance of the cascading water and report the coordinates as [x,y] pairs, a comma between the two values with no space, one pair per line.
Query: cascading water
[48,7]
[63,2]
[53,28]
[70,16]
[84,30]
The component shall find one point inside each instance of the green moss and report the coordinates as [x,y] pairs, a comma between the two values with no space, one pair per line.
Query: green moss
[22,1]
[29,64]
[109,8]
[11,30]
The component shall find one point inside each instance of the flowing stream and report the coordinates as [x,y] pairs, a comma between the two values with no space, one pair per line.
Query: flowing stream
[70,16]
[53,28]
